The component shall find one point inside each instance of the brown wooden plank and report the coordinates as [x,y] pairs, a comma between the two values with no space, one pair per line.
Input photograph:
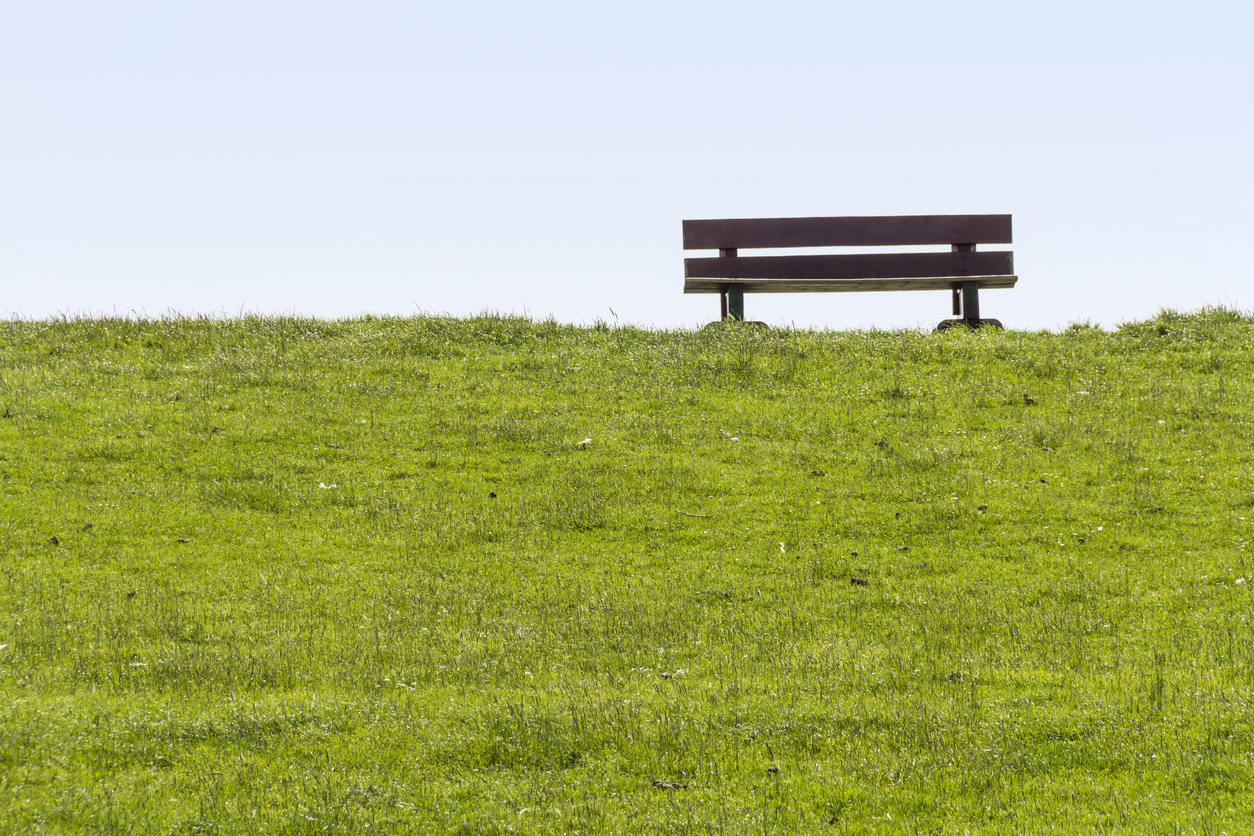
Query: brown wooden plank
[846,285]
[870,231]
[852,266]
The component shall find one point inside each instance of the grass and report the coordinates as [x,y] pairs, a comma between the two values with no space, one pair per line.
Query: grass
[293,576]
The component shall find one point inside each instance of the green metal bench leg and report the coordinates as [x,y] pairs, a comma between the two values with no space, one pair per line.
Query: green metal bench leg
[971,302]
[736,302]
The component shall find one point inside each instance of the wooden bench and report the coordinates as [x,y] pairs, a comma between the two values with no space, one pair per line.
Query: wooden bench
[962,271]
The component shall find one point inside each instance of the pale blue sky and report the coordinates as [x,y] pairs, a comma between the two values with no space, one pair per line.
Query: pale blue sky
[332,159]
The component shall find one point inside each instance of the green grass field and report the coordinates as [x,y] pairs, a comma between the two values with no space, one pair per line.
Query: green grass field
[501,576]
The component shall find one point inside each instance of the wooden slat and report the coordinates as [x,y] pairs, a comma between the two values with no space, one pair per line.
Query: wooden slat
[846,285]
[853,266]
[871,231]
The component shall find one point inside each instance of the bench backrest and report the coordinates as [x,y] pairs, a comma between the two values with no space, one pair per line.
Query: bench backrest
[882,231]
[962,232]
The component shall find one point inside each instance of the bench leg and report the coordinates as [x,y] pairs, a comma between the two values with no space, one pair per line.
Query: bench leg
[736,302]
[971,302]
[722,305]
[966,301]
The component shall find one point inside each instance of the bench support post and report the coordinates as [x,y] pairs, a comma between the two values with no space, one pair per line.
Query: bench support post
[736,302]
[731,303]
[967,299]
[971,302]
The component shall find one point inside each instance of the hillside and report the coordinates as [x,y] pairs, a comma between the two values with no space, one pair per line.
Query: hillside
[495,575]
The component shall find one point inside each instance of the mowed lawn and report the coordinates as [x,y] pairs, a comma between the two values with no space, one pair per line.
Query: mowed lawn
[489,575]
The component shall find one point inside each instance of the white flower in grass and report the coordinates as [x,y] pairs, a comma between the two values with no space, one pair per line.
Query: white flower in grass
[327,487]
[585,442]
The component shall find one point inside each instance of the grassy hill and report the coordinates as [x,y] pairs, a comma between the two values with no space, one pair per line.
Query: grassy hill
[503,576]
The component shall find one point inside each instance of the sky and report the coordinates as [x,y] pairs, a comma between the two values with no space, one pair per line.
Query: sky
[335,159]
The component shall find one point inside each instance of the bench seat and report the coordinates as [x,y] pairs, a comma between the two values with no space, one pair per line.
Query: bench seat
[719,285]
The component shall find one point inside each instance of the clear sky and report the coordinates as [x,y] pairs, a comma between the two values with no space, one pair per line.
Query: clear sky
[333,159]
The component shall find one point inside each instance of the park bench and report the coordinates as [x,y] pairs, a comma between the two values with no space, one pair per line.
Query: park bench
[962,271]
